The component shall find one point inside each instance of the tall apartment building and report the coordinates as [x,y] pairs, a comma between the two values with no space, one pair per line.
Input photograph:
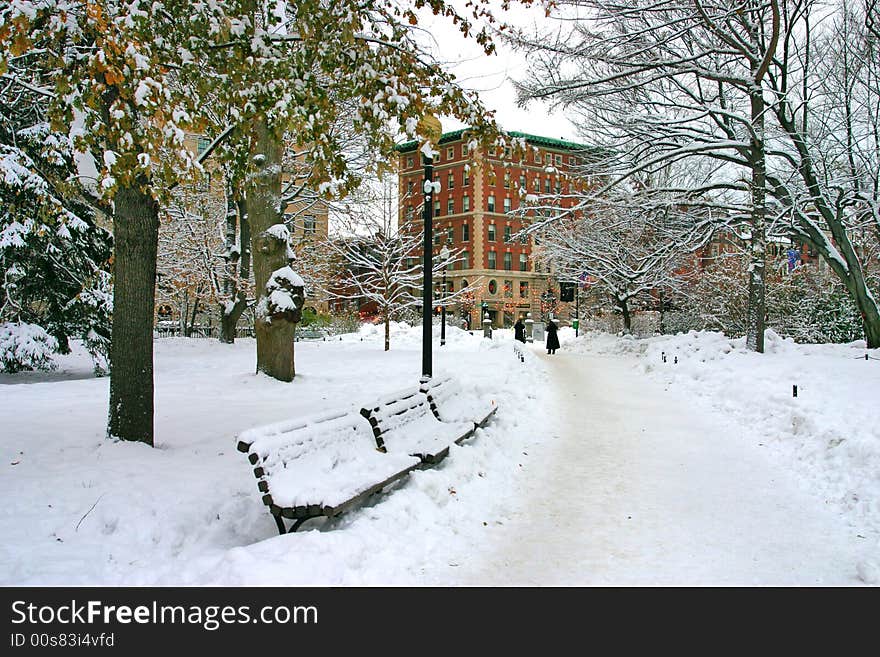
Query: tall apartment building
[477,190]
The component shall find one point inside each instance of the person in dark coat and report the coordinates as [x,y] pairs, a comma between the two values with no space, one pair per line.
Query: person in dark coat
[519,330]
[552,338]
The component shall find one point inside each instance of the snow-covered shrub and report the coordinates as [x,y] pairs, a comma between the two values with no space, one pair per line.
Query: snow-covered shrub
[811,307]
[26,346]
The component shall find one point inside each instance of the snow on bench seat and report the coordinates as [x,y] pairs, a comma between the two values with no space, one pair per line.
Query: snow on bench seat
[450,402]
[403,423]
[319,466]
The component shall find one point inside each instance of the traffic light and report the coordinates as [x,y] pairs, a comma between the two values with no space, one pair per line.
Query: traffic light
[566,291]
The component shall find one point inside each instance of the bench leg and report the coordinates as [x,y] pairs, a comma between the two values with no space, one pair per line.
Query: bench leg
[280,523]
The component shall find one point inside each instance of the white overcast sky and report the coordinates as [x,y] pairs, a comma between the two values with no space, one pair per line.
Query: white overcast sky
[491,76]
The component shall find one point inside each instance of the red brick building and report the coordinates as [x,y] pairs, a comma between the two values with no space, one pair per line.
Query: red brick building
[478,188]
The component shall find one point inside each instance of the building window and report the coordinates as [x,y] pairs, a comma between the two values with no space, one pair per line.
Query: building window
[507,152]
[409,187]
[464,150]
[491,232]
[507,204]
[437,238]
[450,236]
[490,203]
[547,185]
[507,231]
[466,178]
[538,157]
[523,289]
[493,264]
[450,206]
[309,224]
[410,212]
[523,262]
[409,162]
[571,160]
[506,181]
[508,264]
[465,232]
[450,286]
[465,203]
[450,180]
[436,208]
[493,287]
[559,160]
[536,184]
[202,145]
[450,153]
[465,263]
[492,151]
[522,182]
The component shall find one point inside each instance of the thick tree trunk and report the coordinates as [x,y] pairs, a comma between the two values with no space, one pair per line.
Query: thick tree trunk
[867,305]
[758,242]
[136,235]
[275,336]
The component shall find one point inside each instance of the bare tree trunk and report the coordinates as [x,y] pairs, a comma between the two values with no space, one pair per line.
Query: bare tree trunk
[758,240]
[275,335]
[192,317]
[136,237]
[229,317]
[230,313]
[387,330]
[627,317]
[244,265]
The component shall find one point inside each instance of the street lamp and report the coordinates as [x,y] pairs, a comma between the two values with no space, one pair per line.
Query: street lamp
[444,257]
[430,128]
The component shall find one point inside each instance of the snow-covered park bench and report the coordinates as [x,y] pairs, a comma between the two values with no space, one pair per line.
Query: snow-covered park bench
[450,402]
[404,423]
[326,464]
[319,466]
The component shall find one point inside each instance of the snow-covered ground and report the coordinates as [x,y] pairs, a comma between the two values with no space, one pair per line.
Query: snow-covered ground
[81,510]
[829,434]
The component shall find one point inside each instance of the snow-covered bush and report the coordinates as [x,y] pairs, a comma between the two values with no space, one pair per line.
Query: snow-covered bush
[26,346]
[813,308]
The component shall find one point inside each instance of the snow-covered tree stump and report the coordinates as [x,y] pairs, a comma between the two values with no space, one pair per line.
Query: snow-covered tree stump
[279,307]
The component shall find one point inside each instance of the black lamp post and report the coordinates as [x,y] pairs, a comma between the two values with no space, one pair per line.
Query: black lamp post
[430,127]
[444,256]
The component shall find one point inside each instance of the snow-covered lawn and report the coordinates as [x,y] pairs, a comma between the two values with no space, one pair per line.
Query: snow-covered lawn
[81,510]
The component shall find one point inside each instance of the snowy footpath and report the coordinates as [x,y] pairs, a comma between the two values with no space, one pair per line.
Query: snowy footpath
[644,485]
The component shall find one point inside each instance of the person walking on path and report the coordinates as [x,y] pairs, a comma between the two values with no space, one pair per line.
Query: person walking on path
[519,330]
[552,338]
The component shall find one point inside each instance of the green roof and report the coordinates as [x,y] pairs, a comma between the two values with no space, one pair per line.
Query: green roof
[537,140]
